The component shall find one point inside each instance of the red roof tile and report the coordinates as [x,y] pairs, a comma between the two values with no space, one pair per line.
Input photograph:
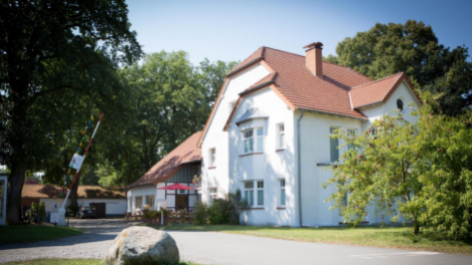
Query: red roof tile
[83,191]
[304,90]
[184,153]
[374,92]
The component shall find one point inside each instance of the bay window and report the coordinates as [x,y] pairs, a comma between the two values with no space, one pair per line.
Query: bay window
[251,136]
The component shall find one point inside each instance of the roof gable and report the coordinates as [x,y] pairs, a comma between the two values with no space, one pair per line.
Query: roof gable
[186,152]
[377,91]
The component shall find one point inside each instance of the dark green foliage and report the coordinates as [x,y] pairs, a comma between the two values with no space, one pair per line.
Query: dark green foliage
[412,48]
[57,59]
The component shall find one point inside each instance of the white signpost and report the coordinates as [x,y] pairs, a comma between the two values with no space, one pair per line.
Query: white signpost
[75,163]
[54,218]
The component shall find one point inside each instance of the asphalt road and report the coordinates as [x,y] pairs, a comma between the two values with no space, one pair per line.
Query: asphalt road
[225,249]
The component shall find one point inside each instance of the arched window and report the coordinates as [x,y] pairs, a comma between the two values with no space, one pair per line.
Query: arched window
[400,104]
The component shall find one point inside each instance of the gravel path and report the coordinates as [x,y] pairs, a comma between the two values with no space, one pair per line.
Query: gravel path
[93,243]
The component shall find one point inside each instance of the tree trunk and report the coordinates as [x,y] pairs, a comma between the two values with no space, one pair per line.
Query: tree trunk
[417,228]
[14,188]
[73,193]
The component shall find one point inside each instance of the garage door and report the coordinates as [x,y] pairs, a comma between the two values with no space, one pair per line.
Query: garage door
[100,209]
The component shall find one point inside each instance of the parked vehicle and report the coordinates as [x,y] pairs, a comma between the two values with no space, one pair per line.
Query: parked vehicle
[86,211]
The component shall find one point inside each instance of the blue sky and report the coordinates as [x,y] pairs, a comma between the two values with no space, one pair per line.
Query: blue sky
[232,30]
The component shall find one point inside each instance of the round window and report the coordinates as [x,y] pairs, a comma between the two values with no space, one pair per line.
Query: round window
[400,104]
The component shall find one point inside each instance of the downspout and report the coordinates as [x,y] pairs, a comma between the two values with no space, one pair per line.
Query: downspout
[299,170]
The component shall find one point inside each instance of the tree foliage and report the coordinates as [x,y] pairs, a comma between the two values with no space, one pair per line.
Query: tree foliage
[421,171]
[412,48]
[56,58]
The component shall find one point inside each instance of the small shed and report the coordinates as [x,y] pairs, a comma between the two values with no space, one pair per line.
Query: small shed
[112,200]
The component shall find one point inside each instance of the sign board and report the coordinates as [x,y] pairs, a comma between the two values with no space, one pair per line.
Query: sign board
[54,218]
[76,162]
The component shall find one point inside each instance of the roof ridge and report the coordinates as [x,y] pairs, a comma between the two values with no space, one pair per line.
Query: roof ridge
[390,76]
[283,51]
[349,68]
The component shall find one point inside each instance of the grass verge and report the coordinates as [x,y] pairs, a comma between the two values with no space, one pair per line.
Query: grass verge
[70,262]
[30,233]
[384,237]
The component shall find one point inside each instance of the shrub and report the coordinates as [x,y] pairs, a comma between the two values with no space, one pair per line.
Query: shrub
[222,211]
[200,215]
[39,208]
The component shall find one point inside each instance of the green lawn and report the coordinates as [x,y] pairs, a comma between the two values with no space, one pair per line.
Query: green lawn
[70,262]
[30,233]
[387,237]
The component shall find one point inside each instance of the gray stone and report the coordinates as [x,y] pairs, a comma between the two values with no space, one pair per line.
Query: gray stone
[142,245]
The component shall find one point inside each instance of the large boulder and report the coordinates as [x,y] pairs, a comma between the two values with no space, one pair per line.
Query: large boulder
[143,245]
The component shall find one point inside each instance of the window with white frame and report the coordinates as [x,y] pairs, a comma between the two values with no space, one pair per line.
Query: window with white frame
[334,145]
[248,141]
[281,136]
[213,194]
[282,193]
[150,201]
[249,192]
[251,137]
[212,157]
[138,202]
[352,134]
[260,193]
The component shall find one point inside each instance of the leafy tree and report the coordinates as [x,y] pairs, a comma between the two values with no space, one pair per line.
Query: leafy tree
[423,170]
[412,48]
[214,76]
[170,102]
[51,50]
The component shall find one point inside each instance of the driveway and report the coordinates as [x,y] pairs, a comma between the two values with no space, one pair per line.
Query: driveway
[93,244]
[224,249]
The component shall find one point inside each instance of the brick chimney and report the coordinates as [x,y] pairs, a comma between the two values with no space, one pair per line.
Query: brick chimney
[314,58]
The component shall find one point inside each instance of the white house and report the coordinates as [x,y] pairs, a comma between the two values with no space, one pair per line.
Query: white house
[267,134]
[107,201]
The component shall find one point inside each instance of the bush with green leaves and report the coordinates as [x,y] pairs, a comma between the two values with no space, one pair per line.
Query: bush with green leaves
[421,171]
[222,210]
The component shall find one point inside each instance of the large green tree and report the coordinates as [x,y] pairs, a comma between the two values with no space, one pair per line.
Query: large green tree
[52,51]
[422,171]
[413,48]
[171,100]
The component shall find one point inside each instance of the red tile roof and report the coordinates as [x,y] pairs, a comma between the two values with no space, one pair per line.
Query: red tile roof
[374,92]
[186,152]
[83,191]
[301,89]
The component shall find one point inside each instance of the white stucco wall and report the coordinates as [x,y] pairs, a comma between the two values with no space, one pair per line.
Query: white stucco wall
[140,191]
[315,149]
[113,206]
[270,166]
[215,137]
